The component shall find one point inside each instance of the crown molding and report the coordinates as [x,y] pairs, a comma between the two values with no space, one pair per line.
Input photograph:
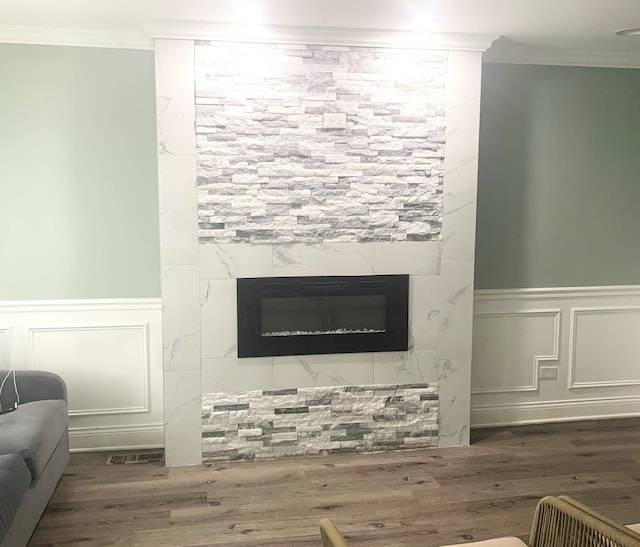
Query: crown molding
[515,53]
[202,30]
[75,37]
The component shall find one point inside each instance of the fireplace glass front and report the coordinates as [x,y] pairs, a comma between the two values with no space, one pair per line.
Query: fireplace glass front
[330,314]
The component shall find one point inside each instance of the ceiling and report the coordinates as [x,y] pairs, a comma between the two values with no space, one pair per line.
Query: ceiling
[584,26]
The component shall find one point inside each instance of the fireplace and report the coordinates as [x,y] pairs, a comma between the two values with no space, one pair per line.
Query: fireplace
[328,314]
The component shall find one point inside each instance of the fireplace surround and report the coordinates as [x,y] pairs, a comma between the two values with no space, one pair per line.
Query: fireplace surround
[322,314]
[199,275]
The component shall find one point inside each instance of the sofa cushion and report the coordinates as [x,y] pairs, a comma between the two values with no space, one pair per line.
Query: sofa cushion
[15,479]
[498,542]
[33,431]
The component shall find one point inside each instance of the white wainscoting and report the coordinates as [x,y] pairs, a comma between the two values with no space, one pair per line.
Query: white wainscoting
[109,353]
[588,337]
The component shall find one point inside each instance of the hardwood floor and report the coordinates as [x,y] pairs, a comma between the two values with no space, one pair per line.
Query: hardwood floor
[407,498]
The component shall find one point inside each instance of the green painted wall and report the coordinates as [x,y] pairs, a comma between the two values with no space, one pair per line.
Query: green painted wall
[78,182]
[559,177]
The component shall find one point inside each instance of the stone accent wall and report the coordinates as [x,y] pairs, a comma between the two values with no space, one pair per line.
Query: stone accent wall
[320,420]
[268,172]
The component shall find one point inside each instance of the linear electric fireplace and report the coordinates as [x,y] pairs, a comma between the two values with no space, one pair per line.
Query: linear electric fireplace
[329,314]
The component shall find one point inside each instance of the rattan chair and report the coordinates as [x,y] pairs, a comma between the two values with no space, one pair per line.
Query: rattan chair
[564,522]
[330,535]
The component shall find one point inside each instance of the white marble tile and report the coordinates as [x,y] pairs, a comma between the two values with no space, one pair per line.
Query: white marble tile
[456,309]
[407,257]
[228,374]
[404,367]
[323,259]
[232,260]
[460,192]
[183,417]
[455,401]
[178,207]
[175,105]
[218,318]
[323,370]
[424,312]
[180,318]
[176,71]
[464,71]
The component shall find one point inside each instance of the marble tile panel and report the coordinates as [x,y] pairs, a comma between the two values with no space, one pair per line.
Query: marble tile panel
[182,415]
[175,105]
[460,194]
[219,318]
[230,374]
[323,370]
[407,257]
[404,367]
[178,207]
[323,259]
[233,260]
[424,312]
[464,72]
[455,401]
[180,318]
[176,71]
[456,309]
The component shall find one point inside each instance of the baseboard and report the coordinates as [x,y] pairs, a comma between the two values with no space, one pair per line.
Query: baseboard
[95,439]
[554,411]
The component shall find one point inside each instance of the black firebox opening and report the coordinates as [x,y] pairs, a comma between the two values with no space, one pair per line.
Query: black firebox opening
[329,314]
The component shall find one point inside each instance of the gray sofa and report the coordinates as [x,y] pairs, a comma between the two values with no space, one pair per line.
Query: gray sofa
[34,450]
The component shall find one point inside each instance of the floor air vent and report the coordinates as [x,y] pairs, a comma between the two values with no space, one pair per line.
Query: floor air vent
[135,457]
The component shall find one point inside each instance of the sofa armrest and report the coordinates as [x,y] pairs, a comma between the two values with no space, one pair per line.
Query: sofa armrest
[36,385]
[565,522]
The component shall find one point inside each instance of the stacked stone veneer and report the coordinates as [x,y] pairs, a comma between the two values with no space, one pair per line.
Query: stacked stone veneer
[268,172]
[321,420]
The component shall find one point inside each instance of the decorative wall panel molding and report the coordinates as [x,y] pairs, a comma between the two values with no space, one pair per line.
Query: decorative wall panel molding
[109,354]
[533,337]
[112,350]
[91,305]
[602,340]
[557,293]
[591,372]
[321,420]
[5,351]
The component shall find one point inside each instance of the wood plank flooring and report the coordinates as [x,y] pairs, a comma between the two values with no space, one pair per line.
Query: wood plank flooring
[407,498]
